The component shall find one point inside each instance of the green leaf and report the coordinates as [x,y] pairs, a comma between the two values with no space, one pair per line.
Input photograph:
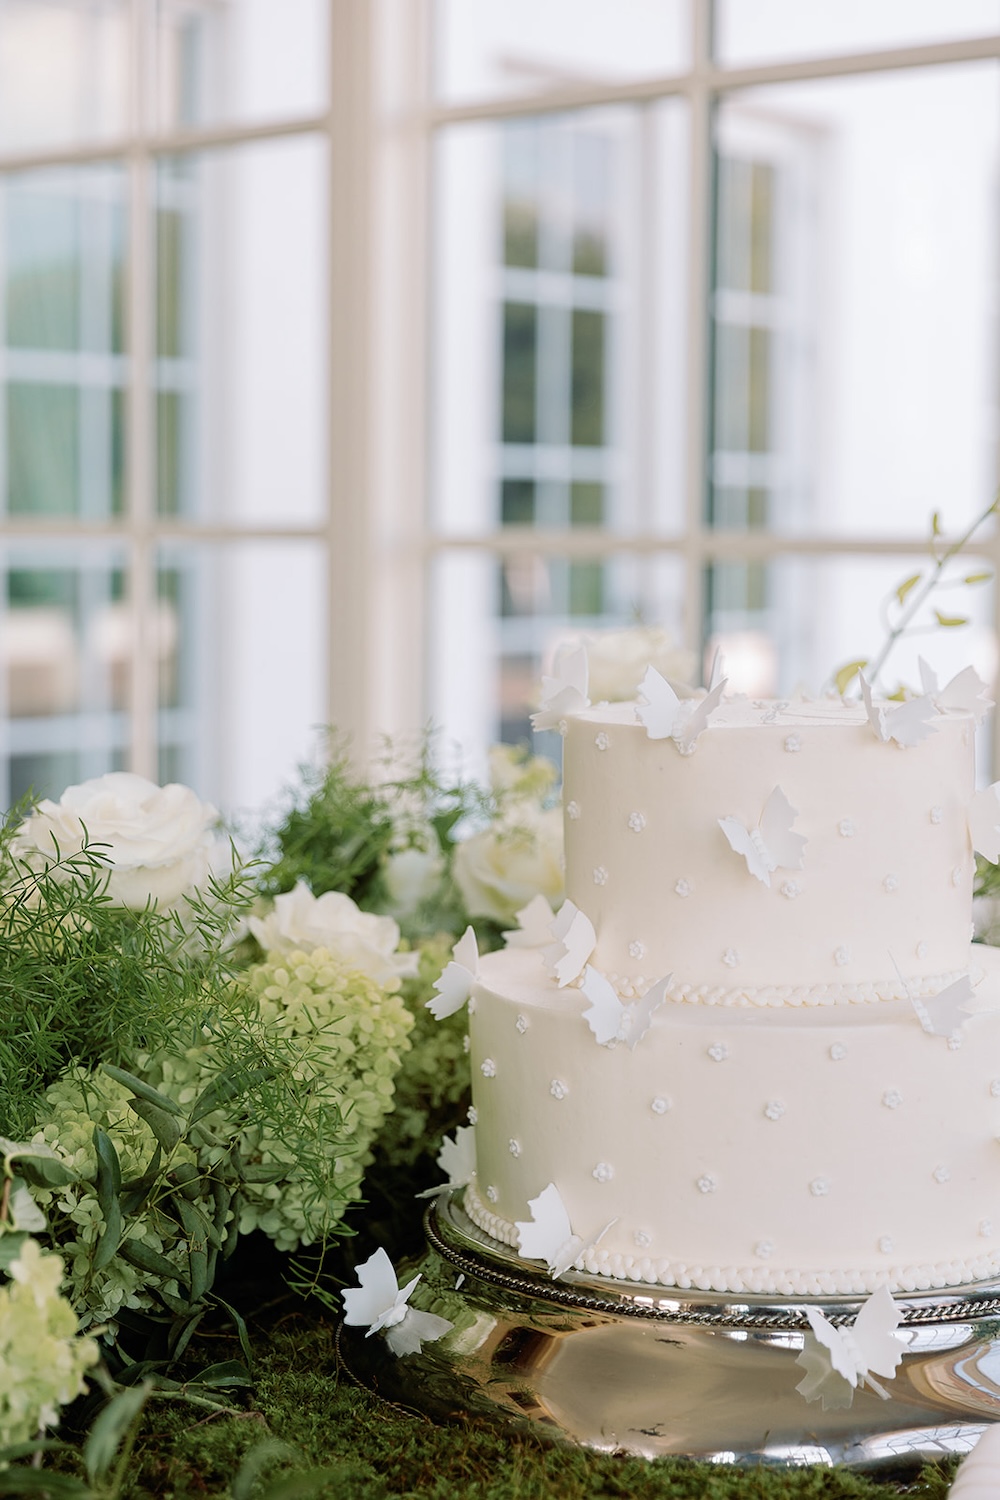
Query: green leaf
[10,1249]
[46,1482]
[950,620]
[110,1428]
[109,1181]
[847,672]
[241,1331]
[936,523]
[232,1083]
[143,1090]
[978,578]
[228,1373]
[40,1165]
[163,1125]
[907,584]
[24,1211]
[135,1192]
[140,1255]
[182,1334]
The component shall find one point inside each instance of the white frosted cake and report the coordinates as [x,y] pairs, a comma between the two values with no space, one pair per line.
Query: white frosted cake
[766,1056]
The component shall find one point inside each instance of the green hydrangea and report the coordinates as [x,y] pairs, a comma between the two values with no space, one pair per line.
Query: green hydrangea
[68,1113]
[43,1358]
[341,1037]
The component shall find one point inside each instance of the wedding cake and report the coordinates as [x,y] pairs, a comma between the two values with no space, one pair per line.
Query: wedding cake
[757,1051]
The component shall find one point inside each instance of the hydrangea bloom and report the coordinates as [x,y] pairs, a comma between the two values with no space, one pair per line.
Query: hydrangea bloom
[42,1357]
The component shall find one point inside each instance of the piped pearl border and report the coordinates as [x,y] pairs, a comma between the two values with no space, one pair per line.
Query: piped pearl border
[775,996]
[754,1278]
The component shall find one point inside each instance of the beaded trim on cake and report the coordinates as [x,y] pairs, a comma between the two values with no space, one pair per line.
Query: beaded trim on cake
[778,995]
[755,1278]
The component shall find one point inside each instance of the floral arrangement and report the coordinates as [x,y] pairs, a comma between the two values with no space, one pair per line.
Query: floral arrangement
[194,1047]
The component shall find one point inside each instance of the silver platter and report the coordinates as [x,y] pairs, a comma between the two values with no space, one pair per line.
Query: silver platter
[625,1367]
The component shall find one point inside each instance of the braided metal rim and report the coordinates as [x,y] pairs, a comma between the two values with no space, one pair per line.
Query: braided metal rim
[969,1305]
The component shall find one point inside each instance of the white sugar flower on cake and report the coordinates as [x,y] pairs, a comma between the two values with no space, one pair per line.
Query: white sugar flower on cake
[382,1305]
[565,692]
[455,985]
[838,1360]
[771,845]
[573,941]
[906,723]
[965,693]
[534,925]
[610,1020]
[666,716]
[457,1159]
[548,1235]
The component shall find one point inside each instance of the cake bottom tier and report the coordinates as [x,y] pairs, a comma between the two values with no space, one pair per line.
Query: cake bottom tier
[827,1151]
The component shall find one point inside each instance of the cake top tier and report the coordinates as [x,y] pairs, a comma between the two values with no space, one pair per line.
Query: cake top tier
[789,852]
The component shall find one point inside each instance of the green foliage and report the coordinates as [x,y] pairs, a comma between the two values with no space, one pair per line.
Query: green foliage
[340,830]
[901,607]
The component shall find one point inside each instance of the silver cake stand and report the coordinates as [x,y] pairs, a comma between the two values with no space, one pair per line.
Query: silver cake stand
[633,1368]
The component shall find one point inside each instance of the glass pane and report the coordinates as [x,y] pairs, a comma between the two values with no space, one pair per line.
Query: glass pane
[240,323]
[559,332]
[63,72]
[241,687]
[855,369]
[752,31]
[495,622]
[497,47]
[65,661]
[258,60]
[790,624]
[63,370]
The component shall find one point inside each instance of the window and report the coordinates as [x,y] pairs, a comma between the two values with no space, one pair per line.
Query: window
[353,356]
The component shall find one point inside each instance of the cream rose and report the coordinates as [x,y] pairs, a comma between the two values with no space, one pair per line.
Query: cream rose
[617,661]
[160,843]
[411,876]
[301,922]
[519,856]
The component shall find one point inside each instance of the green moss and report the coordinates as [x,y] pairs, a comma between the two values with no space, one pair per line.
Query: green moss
[313,1419]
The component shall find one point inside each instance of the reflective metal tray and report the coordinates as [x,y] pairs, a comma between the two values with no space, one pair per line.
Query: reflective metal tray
[618,1366]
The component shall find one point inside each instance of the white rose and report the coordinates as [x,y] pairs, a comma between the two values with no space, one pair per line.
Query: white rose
[300,922]
[499,870]
[617,661]
[160,842]
[411,877]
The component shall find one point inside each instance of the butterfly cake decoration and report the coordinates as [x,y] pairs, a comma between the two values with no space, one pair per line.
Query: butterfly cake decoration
[771,845]
[613,1020]
[838,1360]
[565,691]
[548,1235]
[454,987]
[904,723]
[945,1013]
[666,716]
[573,941]
[379,1303]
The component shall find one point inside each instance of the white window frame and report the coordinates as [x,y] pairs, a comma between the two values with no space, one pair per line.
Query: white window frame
[378,543]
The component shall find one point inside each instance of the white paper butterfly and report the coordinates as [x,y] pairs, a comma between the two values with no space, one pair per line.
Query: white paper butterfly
[906,723]
[613,1020]
[380,1303]
[966,692]
[984,822]
[548,1234]
[566,691]
[534,925]
[668,717]
[945,1013]
[574,940]
[457,1159]
[838,1360]
[455,985]
[771,845]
